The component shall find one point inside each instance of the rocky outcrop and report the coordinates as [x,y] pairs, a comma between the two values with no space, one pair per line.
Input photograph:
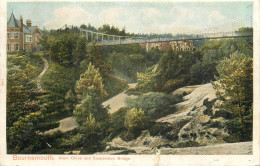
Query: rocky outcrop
[197,117]
[198,121]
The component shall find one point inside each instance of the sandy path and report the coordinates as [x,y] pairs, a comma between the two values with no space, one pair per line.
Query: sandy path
[46,66]
[65,125]
[118,101]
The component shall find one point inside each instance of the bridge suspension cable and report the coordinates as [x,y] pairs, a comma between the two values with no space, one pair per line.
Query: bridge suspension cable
[225,30]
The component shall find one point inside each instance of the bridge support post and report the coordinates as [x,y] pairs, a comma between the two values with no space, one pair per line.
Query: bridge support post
[91,36]
[102,38]
[97,37]
[87,35]
[113,39]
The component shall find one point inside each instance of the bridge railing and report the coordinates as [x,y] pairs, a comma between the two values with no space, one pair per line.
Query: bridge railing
[139,40]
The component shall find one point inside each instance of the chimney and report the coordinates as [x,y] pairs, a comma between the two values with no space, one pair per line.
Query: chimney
[21,23]
[28,23]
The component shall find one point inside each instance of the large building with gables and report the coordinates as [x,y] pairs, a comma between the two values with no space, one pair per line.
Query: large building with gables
[21,36]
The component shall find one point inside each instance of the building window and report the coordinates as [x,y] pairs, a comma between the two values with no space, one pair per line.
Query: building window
[28,38]
[8,35]
[12,35]
[12,47]
[16,47]
[17,35]
[8,47]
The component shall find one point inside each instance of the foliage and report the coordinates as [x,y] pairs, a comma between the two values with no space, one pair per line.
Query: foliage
[72,141]
[114,85]
[115,123]
[70,101]
[235,88]
[90,103]
[168,65]
[22,137]
[127,65]
[92,135]
[24,113]
[112,30]
[174,68]
[97,59]
[245,31]
[212,52]
[135,122]
[65,48]
[173,84]
[154,104]
[154,55]
[160,129]
[149,80]
[58,79]
[203,72]
[90,78]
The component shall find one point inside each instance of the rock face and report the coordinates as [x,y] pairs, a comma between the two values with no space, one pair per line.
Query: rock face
[196,117]
[197,122]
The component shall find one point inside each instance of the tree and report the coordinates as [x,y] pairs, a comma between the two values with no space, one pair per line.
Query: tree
[135,122]
[168,65]
[154,55]
[245,31]
[149,80]
[23,135]
[94,56]
[235,88]
[92,134]
[91,77]
[24,113]
[90,104]
[71,100]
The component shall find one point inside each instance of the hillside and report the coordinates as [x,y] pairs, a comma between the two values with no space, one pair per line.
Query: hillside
[197,122]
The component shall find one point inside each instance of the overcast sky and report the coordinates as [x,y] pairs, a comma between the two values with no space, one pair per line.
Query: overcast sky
[137,17]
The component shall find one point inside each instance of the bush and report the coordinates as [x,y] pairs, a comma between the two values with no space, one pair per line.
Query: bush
[135,122]
[173,84]
[187,144]
[154,104]
[160,129]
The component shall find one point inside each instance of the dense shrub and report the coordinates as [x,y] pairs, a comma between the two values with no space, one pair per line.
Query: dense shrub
[154,104]
[173,84]
[160,129]
[135,122]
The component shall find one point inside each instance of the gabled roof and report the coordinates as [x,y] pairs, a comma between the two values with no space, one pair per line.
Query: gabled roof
[12,22]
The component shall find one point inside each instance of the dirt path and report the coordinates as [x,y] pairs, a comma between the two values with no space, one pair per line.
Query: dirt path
[45,68]
[118,101]
[65,125]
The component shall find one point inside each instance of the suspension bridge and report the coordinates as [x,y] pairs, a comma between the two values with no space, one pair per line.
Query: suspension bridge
[227,30]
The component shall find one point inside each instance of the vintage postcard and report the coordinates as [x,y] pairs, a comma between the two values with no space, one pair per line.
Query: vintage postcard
[152,83]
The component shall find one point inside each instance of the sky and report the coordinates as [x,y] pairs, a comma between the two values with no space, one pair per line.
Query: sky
[137,17]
